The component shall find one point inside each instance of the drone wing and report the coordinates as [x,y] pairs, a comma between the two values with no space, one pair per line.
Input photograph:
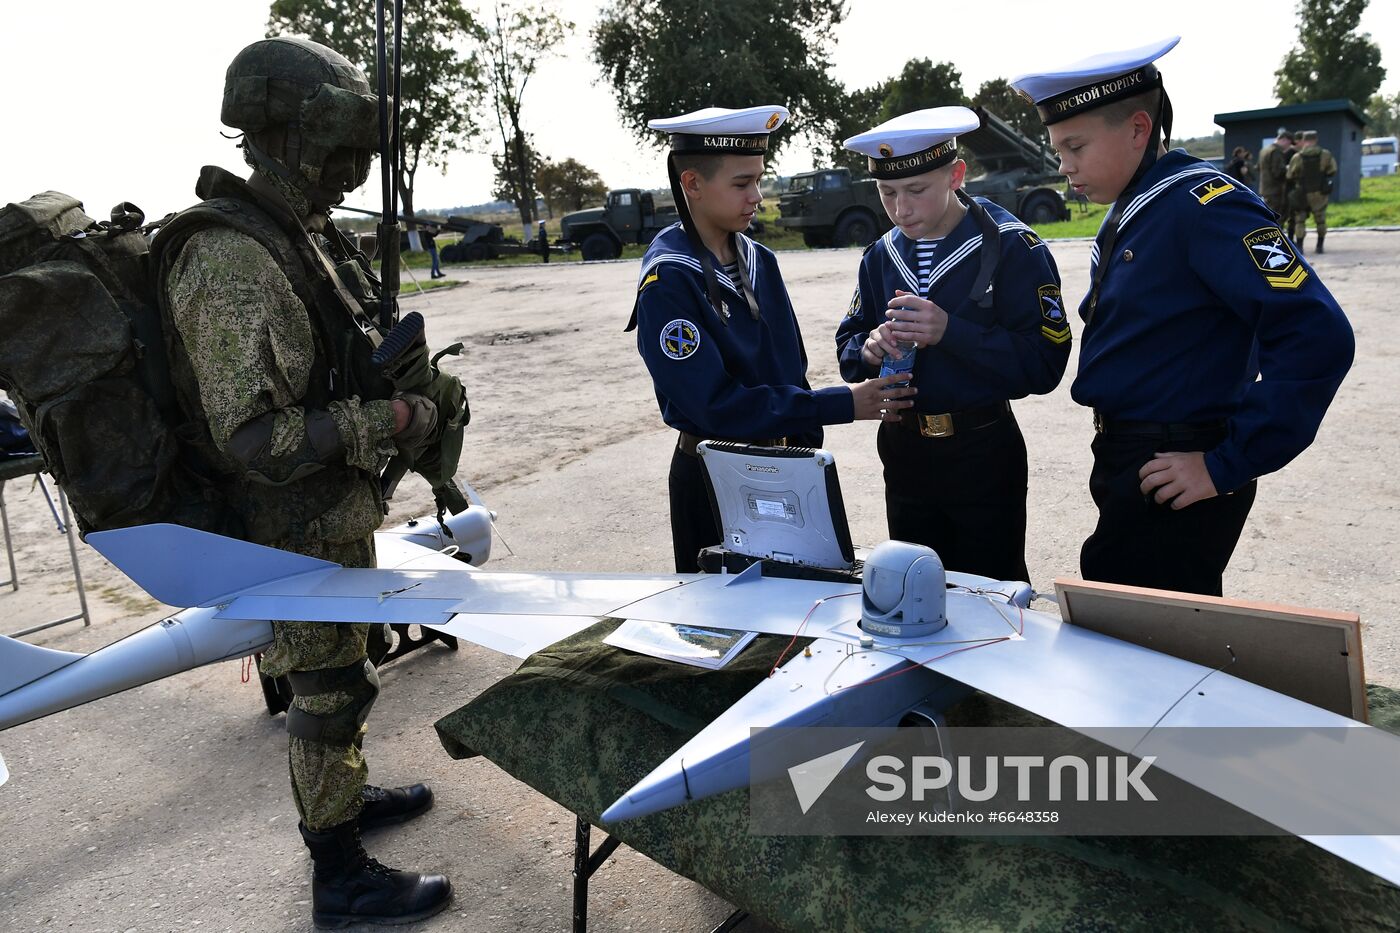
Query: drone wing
[514,613]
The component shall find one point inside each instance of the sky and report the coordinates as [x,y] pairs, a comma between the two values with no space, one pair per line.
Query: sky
[118,100]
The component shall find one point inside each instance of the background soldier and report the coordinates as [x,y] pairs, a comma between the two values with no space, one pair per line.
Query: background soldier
[1273,172]
[1310,175]
[267,309]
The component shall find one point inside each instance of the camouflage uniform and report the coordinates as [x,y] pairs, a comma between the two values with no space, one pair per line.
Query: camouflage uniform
[268,318]
[1273,177]
[1310,174]
[248,341]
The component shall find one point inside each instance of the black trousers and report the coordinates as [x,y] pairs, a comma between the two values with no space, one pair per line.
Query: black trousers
[693,526]
[1140,543]
[963,495]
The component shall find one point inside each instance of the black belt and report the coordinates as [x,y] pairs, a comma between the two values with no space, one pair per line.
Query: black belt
[949,423]
[689,442]
[1166,431]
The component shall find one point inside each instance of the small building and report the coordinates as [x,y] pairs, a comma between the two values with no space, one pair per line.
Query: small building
[1339,123]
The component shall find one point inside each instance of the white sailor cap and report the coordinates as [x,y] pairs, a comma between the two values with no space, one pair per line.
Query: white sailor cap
[723,131]
[1063,92]
[914,143]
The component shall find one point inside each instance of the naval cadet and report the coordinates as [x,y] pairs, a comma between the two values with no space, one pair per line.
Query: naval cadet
[1211,349]
[974,296]
[715,325]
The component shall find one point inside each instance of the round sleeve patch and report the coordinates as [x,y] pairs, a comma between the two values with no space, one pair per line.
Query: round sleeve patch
[680,339]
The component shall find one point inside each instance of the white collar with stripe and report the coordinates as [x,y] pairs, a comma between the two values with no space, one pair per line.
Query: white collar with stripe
[689,261]
[896,243]
[1140,201]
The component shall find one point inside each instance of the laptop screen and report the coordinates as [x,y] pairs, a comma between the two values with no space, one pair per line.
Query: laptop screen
[779,503]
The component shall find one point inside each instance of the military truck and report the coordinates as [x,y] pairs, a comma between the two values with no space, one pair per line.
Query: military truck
[832,208]
[479,239]
[628,216]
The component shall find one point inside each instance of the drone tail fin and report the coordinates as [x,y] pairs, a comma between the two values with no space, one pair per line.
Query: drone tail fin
[185,567]
[22,663]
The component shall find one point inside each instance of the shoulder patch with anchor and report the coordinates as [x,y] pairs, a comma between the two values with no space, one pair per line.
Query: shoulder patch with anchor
[680,339]
[1208,191]
[1055,326]
[1273,256]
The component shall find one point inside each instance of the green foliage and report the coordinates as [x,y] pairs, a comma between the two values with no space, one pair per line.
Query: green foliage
[665,57]
[921,84]
[1385,115]
[856,116]
[441,85]
[998,97]
[569,185]
[1330,60]
[1203,147]
[1378,206]
[506,184]
[518,37]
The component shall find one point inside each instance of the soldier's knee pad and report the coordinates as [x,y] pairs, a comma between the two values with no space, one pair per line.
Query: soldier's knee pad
[359,680]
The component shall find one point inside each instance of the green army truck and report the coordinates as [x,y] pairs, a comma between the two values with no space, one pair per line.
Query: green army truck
[830,207]
[629,215]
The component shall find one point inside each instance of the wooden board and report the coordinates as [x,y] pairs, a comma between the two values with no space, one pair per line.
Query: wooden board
[1313,655]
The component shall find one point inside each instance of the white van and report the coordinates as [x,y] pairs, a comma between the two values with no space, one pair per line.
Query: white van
[1378,155]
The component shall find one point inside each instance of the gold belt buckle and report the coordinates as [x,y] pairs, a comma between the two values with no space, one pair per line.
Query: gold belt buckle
[936,425]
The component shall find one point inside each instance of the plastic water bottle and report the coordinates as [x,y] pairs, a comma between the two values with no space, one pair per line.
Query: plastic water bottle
[890,366]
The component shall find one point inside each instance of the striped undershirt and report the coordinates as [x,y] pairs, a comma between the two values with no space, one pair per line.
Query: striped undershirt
[731,269]
[923,251]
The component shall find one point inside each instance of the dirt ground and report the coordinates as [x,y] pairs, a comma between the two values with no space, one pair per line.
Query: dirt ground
[167,808]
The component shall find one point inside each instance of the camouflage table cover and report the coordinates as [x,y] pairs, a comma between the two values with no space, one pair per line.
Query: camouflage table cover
[581,722]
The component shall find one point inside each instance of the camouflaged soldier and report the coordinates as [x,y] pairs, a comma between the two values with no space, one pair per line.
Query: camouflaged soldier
[1273,173]
[1310,175]
[265,305]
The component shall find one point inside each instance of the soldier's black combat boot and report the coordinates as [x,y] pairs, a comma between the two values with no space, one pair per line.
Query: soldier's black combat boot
[347,886]
[386,806]
[1320,238]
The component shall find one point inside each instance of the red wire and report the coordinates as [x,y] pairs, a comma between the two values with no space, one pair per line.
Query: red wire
[796,634]
[1021,630]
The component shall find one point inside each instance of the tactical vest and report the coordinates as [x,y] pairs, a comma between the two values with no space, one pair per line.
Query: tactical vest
[339,292]
[1310,175]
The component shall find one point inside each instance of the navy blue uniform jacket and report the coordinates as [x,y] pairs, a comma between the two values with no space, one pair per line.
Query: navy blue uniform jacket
[746,380]
[1202,294]
[1016,347]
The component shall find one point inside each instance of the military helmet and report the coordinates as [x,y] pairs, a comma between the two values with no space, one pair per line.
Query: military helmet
[298,102]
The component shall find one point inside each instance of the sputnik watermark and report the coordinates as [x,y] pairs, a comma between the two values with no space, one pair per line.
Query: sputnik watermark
[1117,778]
[1053,780]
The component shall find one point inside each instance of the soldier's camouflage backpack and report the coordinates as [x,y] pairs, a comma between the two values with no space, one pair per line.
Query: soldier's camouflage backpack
[83,359]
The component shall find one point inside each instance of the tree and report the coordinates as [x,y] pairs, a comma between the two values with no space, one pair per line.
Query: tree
[517,38]
[1385,115]
[440,84]
[922,84]
[665,57]
[919,85]
[854,119]
[569,185]
[1330,60]
[506,184]
[998,96]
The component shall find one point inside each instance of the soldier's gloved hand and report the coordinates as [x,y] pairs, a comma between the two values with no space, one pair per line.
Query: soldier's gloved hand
[414,431]
[412,370]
